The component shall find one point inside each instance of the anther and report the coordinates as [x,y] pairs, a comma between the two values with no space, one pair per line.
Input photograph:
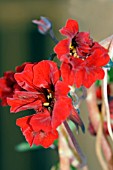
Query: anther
[46,104]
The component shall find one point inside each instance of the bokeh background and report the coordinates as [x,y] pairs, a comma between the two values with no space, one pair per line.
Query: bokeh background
[20,42]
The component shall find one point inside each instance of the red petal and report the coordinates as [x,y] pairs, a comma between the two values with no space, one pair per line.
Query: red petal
[91,75]
[81,72]
[25,128]
[37,136]
[62,48]
[74,116]
[62,109]
[73,74]
[45,74]
[25,100]
[25,78]
[83,39]
[61,88]
[41,121]
[70,29]
[23,122]
[67,73]
[79,77]
[21,67]
[45,139]
[98,58]
[87,76]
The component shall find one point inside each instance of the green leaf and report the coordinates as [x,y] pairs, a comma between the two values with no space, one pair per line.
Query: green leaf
[55,167]
[110,73]
[24,146]
[55,143]
[72,125]
[72,168]
[98,83]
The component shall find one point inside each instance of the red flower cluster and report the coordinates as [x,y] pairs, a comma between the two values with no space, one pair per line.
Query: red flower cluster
[81,58]
[46,89]
[48,96]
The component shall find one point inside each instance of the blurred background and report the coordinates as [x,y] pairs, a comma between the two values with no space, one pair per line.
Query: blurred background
[20,42]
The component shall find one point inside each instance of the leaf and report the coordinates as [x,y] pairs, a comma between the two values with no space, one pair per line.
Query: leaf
[55,167]
[110,73]
[98,83]
[24,146]
[72,168]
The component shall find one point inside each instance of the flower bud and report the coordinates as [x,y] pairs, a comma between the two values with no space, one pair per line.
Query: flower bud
[44,25]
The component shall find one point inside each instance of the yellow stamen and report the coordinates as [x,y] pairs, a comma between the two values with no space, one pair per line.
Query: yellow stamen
[46,104]
[49,96]
[73,51]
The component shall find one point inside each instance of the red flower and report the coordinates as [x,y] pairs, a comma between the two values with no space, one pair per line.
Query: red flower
[47,95]
[78,44]
[82,58]
[42,90]
[8,84]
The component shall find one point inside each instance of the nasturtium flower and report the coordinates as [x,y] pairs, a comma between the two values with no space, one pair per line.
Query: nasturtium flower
[82,57]
[8,84]
[44,92]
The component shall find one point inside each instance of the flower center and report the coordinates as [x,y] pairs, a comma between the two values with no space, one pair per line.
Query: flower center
[79,49]
[72,47]
[73,51]
[49,94]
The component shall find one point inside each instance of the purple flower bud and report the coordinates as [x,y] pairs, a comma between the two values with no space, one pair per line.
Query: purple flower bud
[44,25]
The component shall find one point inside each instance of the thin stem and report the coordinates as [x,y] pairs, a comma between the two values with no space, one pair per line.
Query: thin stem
[98,144]
[105,98]
[52,35]
[76,145]
[52,56]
